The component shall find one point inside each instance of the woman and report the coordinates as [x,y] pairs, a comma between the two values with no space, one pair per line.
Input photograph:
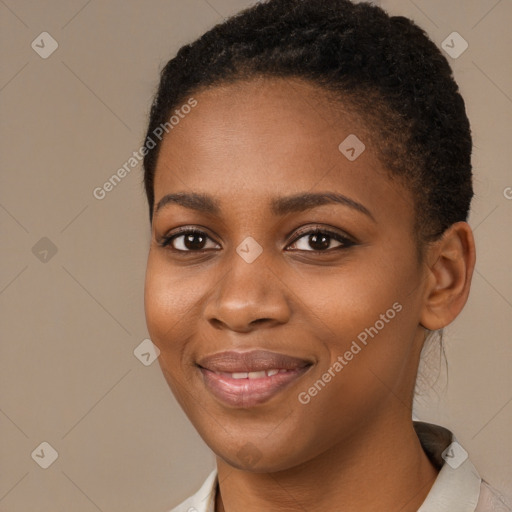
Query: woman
[309,181]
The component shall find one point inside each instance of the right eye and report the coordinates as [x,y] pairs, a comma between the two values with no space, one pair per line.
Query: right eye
[186,240]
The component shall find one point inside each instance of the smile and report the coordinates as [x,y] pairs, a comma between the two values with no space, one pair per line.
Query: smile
[247,379]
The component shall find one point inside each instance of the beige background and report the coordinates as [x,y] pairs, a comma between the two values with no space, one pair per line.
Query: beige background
[70,324]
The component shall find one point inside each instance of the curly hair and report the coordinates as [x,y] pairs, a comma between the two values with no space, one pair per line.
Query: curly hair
[383,68]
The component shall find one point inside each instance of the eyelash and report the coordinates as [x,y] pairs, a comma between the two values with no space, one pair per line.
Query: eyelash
[167,240]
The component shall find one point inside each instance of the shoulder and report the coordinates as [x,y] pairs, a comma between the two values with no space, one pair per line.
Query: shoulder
[203,500]
[458,486]
[490,500]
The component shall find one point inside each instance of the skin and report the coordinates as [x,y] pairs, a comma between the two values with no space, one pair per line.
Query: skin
[353,444]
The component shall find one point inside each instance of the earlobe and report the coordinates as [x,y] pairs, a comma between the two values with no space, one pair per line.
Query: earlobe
[451,262]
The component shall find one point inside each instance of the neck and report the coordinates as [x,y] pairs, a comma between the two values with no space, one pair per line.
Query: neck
[382,468]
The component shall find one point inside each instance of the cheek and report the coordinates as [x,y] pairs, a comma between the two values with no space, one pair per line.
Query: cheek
[366,315]
[353,298]
[169,301]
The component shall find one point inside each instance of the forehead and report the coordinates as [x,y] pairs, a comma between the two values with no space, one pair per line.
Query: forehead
[250,140]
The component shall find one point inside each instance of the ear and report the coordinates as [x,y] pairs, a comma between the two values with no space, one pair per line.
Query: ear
[450,261]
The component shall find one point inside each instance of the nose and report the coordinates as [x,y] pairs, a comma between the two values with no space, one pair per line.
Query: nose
[249,295]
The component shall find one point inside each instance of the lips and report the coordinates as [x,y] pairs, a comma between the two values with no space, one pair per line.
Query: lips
[246,379]
[233,361]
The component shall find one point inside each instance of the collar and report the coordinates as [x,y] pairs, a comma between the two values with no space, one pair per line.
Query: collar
[456,488]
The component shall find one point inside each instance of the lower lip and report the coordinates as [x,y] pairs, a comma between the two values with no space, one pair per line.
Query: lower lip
[247,393]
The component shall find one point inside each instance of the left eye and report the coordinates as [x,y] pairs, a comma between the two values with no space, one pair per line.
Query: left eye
[322,240]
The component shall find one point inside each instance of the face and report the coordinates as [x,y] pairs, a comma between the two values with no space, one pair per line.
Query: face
[287,327]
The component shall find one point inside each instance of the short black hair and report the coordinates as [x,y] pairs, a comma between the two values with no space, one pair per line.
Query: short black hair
[385,68]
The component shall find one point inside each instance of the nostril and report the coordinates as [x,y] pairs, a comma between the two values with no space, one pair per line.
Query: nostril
[259,320]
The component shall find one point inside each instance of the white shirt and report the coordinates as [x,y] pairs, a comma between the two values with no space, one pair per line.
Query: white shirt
[457,488]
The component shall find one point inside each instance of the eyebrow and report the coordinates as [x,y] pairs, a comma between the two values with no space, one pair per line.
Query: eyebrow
[279,205]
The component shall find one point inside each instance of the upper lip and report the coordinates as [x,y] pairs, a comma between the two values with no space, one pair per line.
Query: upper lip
[232,361]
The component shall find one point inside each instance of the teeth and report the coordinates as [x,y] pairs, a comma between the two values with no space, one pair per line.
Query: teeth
[253,375]
[257,375]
